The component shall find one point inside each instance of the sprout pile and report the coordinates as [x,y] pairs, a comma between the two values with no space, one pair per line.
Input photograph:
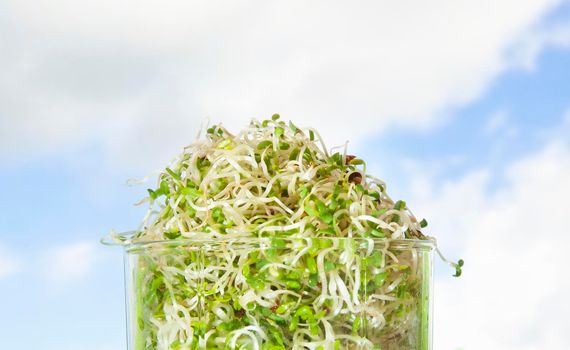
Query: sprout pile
[266,240]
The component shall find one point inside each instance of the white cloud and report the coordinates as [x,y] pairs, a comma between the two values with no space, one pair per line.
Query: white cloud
[71,262]
[515,287]
[9,265]
[140,76]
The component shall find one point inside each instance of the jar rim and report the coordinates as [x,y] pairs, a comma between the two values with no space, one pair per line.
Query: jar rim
[125,240]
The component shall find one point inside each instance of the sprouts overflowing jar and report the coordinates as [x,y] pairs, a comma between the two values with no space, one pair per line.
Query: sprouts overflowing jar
[265,240]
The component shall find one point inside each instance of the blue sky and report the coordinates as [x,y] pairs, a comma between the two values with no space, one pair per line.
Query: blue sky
[471,126]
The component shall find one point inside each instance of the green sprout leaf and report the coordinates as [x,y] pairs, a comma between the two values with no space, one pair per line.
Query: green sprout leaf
[458,267]
[293,128]
[264,144]
[399,205]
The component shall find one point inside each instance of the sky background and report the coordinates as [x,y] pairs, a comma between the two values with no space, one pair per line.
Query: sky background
[463,107]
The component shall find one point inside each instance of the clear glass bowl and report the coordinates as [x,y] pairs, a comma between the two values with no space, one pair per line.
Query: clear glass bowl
[279,293]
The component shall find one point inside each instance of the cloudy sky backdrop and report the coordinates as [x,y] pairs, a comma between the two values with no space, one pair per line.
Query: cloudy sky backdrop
[463,107]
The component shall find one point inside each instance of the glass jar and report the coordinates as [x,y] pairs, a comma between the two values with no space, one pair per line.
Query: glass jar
[279,293]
